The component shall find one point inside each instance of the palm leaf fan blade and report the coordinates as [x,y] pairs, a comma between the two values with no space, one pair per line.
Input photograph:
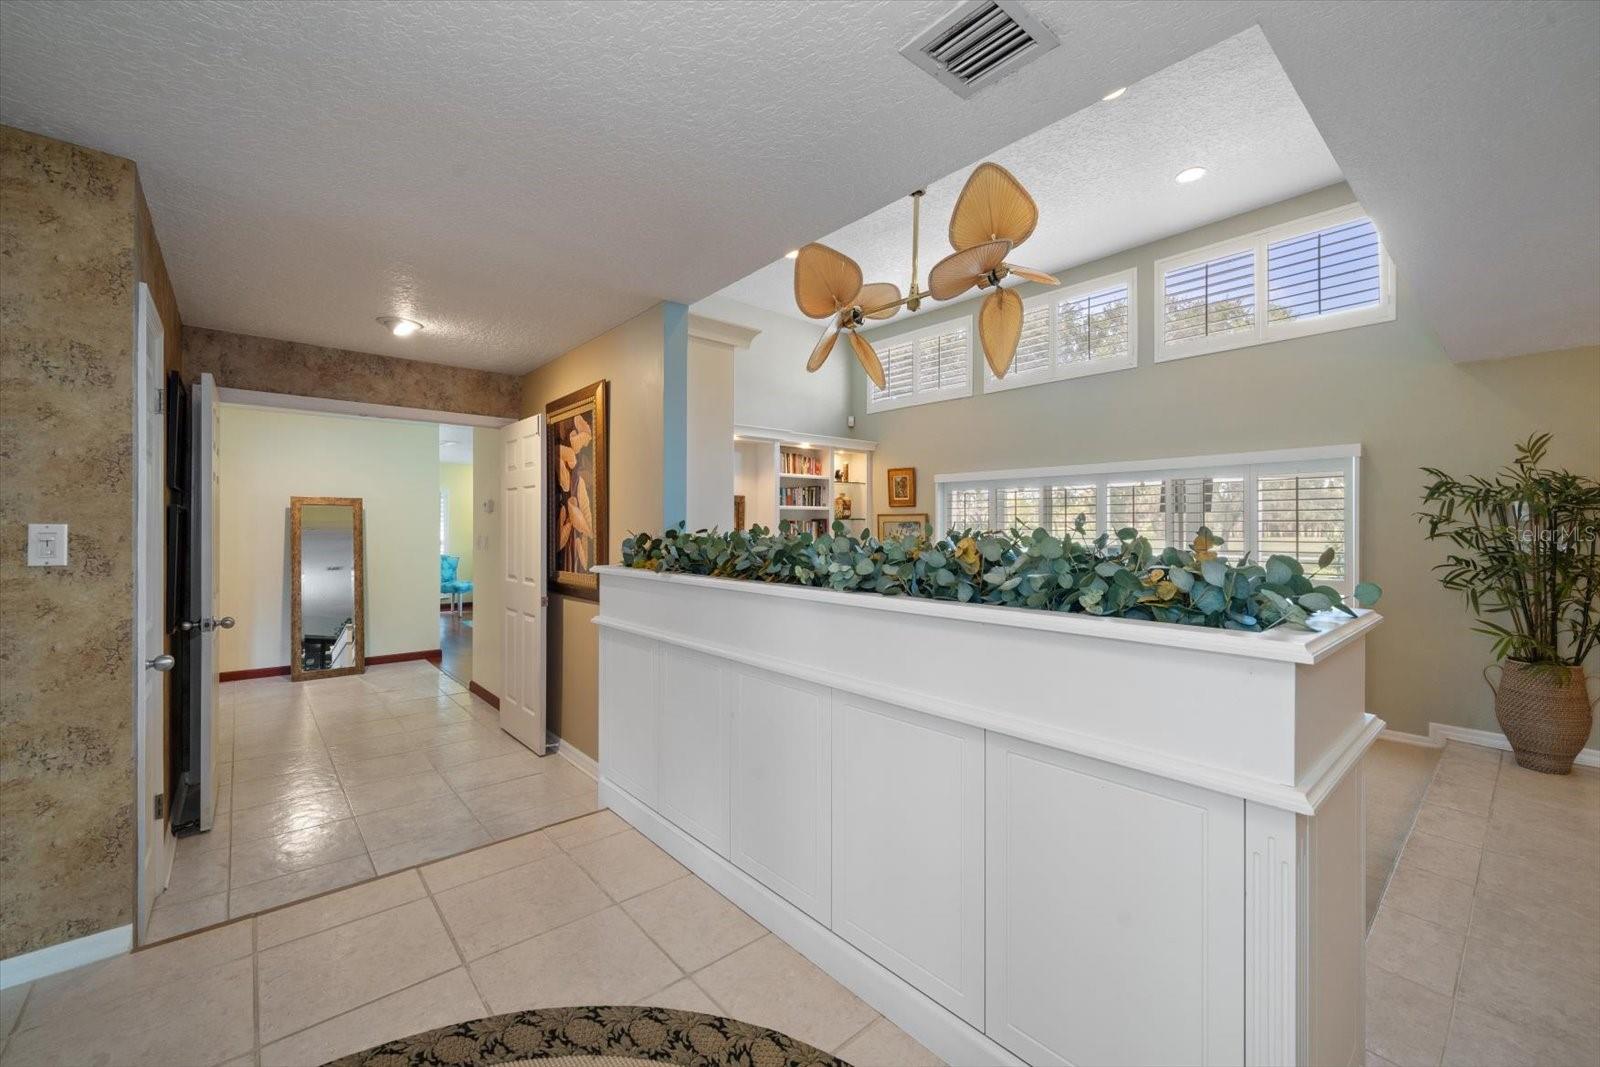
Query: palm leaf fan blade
[824,281]
[868,359]
[1000,328]
[960,271]
[993,206]
[879,300]
[1029,274]
[819,354]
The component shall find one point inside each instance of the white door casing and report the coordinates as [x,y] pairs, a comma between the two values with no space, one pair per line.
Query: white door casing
[522,506]
[150,661]
[204,548]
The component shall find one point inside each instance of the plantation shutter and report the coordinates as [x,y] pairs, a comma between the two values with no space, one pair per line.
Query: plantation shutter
[942,361]
[1033,349]
[1067,502]
[1301,514]
[1093,327]
[1210,299]
[1328,270]
[1215,503]
[1021,506]
[899,371]
[1141,505]
[970,509]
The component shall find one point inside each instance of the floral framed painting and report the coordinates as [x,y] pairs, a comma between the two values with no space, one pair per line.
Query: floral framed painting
[578,481]
[902,487]
[891,527]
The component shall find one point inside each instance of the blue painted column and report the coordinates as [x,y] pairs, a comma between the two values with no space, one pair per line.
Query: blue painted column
[674,413]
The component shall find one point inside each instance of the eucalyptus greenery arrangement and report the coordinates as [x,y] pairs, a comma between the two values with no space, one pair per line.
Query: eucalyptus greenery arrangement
[1121,575]
[1525,554]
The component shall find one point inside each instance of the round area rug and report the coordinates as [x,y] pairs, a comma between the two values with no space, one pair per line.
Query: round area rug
[594,1037]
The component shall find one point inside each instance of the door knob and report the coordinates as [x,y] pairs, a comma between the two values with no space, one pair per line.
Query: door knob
[186,625]
[226,622]
[162,663]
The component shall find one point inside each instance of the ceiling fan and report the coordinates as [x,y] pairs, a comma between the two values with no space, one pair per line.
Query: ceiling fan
[993,215]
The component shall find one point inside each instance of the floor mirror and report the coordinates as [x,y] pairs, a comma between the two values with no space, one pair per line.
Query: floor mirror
[327,597]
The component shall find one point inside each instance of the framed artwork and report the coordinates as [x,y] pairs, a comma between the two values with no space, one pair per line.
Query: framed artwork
[908,525]
[578,478]
[902,487]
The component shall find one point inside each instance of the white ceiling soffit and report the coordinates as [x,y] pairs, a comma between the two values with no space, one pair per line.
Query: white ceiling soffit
[1104,176]
[521,177]
[455,444]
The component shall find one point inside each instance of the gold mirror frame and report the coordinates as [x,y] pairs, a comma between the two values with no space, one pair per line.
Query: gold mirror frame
[357,552]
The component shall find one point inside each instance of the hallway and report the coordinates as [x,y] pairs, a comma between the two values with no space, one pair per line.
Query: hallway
[455,644]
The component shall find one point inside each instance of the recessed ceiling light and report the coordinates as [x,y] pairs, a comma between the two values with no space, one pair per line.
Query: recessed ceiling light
[793,253]
[398,326]
[1192,174]
[1115,93]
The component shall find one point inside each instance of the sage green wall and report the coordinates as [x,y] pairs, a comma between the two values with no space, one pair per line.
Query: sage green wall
[1389,387]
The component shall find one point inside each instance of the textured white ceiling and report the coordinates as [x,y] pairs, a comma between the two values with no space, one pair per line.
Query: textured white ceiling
[521,177]
[1103,177]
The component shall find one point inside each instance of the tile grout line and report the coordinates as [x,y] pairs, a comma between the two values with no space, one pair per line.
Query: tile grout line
[1466,937]
[466,968]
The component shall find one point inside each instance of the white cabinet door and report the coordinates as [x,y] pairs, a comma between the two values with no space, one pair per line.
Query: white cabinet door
[1116,926]
[908,847]
[694,746]
[780,787]
[630,702]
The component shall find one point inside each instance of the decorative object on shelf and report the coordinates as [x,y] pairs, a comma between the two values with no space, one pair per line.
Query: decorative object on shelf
[1527,555]
[894,527]
[738,511]
[993,215]
[841,506]
[578,477]
[1122,576]
[902,487]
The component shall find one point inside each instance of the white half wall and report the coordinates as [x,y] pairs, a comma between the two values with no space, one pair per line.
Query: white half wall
[771,386]
[270,455]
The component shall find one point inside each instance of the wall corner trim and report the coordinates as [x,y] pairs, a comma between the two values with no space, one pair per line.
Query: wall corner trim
[53,959]
[719,332]
[674,413]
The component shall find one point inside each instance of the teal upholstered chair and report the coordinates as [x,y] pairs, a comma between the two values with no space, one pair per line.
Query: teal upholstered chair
[451,586]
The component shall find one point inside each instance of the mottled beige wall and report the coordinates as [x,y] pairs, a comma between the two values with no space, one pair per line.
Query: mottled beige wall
[67,277]
[238,361]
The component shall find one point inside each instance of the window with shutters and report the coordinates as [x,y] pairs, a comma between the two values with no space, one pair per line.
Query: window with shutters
[1326,272]
[928,365]
[1088,328]
[1297,503]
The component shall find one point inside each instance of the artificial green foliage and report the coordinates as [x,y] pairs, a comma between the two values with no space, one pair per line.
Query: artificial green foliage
[1526,554]
[1121,576]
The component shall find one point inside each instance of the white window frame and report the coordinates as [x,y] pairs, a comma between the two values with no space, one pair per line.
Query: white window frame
[444,521]
[1265,332]
[1057,371]
[1251,466]
[931,396]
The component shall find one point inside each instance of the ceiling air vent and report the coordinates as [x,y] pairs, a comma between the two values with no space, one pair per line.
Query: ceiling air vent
[979,43]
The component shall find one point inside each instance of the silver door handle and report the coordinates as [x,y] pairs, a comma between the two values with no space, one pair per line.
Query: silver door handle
[186,625]
[162,663]
[226,622]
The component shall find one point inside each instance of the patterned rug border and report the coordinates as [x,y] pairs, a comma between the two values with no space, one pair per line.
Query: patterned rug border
[662,1035]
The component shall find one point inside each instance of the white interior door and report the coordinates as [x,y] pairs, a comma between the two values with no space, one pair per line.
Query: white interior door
[151,662]
[204,550]
[522,492]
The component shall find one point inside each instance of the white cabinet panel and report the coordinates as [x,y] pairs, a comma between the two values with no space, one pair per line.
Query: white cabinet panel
[781,787]
[908,847]
[1115,926]
[630,693]
[694,746]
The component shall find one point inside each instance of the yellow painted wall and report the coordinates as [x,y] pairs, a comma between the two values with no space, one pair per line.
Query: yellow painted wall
[455,481]
[1389,387]
[272,454]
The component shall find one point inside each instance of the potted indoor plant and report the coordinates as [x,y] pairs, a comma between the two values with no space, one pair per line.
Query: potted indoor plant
[1525,554]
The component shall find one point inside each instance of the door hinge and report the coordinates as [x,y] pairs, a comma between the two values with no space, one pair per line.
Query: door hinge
[161,402]
[160,805]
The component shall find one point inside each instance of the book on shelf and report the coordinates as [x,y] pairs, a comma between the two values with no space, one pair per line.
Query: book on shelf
[814,527]
[800,463]
[801,496]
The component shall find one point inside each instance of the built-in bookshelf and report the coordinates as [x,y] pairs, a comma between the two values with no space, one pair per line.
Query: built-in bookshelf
[804,480]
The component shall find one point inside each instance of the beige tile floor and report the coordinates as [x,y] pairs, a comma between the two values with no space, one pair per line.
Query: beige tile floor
[1395,776]
[584,912]
[332,782]
[1486,948]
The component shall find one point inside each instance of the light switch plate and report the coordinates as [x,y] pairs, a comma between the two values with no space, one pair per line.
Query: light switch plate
[47,544]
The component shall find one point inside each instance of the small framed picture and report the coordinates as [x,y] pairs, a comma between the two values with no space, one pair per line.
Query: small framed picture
[891,527]
[902,487]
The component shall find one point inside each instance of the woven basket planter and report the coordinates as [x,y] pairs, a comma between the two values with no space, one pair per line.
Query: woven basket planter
[1545,712]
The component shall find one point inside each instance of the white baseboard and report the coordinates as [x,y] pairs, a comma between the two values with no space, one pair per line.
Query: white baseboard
[573,756]
[934,1026]
[1441,732]
[1404,738]
[44,962]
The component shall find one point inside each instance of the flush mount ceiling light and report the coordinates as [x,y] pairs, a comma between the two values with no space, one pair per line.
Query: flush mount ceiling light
[993,215]
[398,326]
[1191,174]
[1115,93]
